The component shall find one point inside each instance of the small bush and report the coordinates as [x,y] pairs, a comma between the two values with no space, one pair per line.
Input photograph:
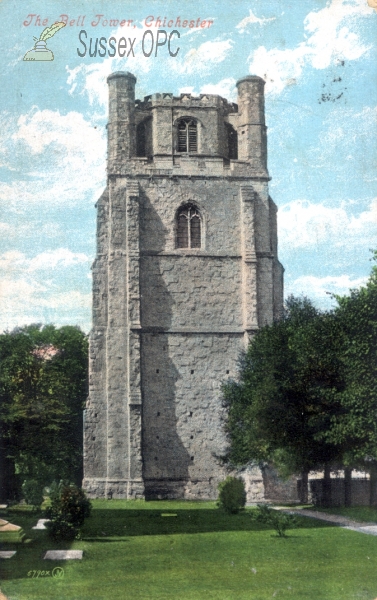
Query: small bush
[54,490]
[69,508]
[232,495]
[33,492]
[280,521]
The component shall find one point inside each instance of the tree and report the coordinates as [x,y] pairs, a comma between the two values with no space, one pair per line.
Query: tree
[43,382]
[287,393]
[355,426]
[306,397]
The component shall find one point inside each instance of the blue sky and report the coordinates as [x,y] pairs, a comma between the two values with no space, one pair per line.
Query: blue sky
[318,58]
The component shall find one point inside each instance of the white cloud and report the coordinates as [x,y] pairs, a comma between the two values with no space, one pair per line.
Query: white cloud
[200,60]
[30,292]
[61,159]
[61,257]
[278,68]
[5,229]
[348,132]
[19,292]
[225,88]
[303,224]
[25,301]
[14,260]
[251,20]
[70,301]
[40,128]
[332,34]
[23,230]
[330,38]
[320,289]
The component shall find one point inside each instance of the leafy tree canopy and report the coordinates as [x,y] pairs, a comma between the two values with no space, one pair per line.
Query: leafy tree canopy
[306,394]
[43,383]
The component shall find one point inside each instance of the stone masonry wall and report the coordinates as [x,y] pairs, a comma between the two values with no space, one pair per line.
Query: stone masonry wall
[183,436]
[190,292]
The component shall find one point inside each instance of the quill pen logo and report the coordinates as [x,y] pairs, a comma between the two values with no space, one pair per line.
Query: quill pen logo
[40,50]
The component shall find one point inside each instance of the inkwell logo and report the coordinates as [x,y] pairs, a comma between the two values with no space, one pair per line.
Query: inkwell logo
[40,50]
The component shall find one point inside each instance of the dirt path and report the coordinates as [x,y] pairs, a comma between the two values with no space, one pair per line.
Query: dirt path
[341,520]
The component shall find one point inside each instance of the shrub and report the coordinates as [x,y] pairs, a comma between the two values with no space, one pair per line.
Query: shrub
[54,490]
[33,492]
[69,508]
[280,521]
[232,495]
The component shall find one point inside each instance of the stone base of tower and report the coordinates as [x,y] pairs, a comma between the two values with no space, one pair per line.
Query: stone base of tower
[121,489]
[261,485]
[171,489]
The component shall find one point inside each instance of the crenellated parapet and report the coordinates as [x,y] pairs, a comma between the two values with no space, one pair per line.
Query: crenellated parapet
[186,100]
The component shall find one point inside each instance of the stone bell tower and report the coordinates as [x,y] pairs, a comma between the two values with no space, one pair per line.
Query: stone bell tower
[186,271]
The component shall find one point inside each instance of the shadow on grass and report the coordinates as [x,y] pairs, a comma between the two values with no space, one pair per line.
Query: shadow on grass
[122,523]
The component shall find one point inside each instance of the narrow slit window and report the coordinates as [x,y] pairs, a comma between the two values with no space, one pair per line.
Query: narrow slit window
[187,135]
[232,142]
[189,227]
[141,139]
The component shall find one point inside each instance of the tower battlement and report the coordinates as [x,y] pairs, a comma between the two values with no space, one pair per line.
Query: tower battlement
[186,100]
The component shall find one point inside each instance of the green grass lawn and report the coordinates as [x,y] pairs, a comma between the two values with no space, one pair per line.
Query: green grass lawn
[131,552]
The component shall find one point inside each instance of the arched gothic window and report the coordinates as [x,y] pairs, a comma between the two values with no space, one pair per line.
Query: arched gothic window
[189,227]
[187,135]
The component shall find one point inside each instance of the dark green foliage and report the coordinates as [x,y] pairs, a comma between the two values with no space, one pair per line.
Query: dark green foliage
[287,393]
[68,511]
[280,521]
[232,495]
[32,490]
[306,397]
[356,426]
[43,386]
